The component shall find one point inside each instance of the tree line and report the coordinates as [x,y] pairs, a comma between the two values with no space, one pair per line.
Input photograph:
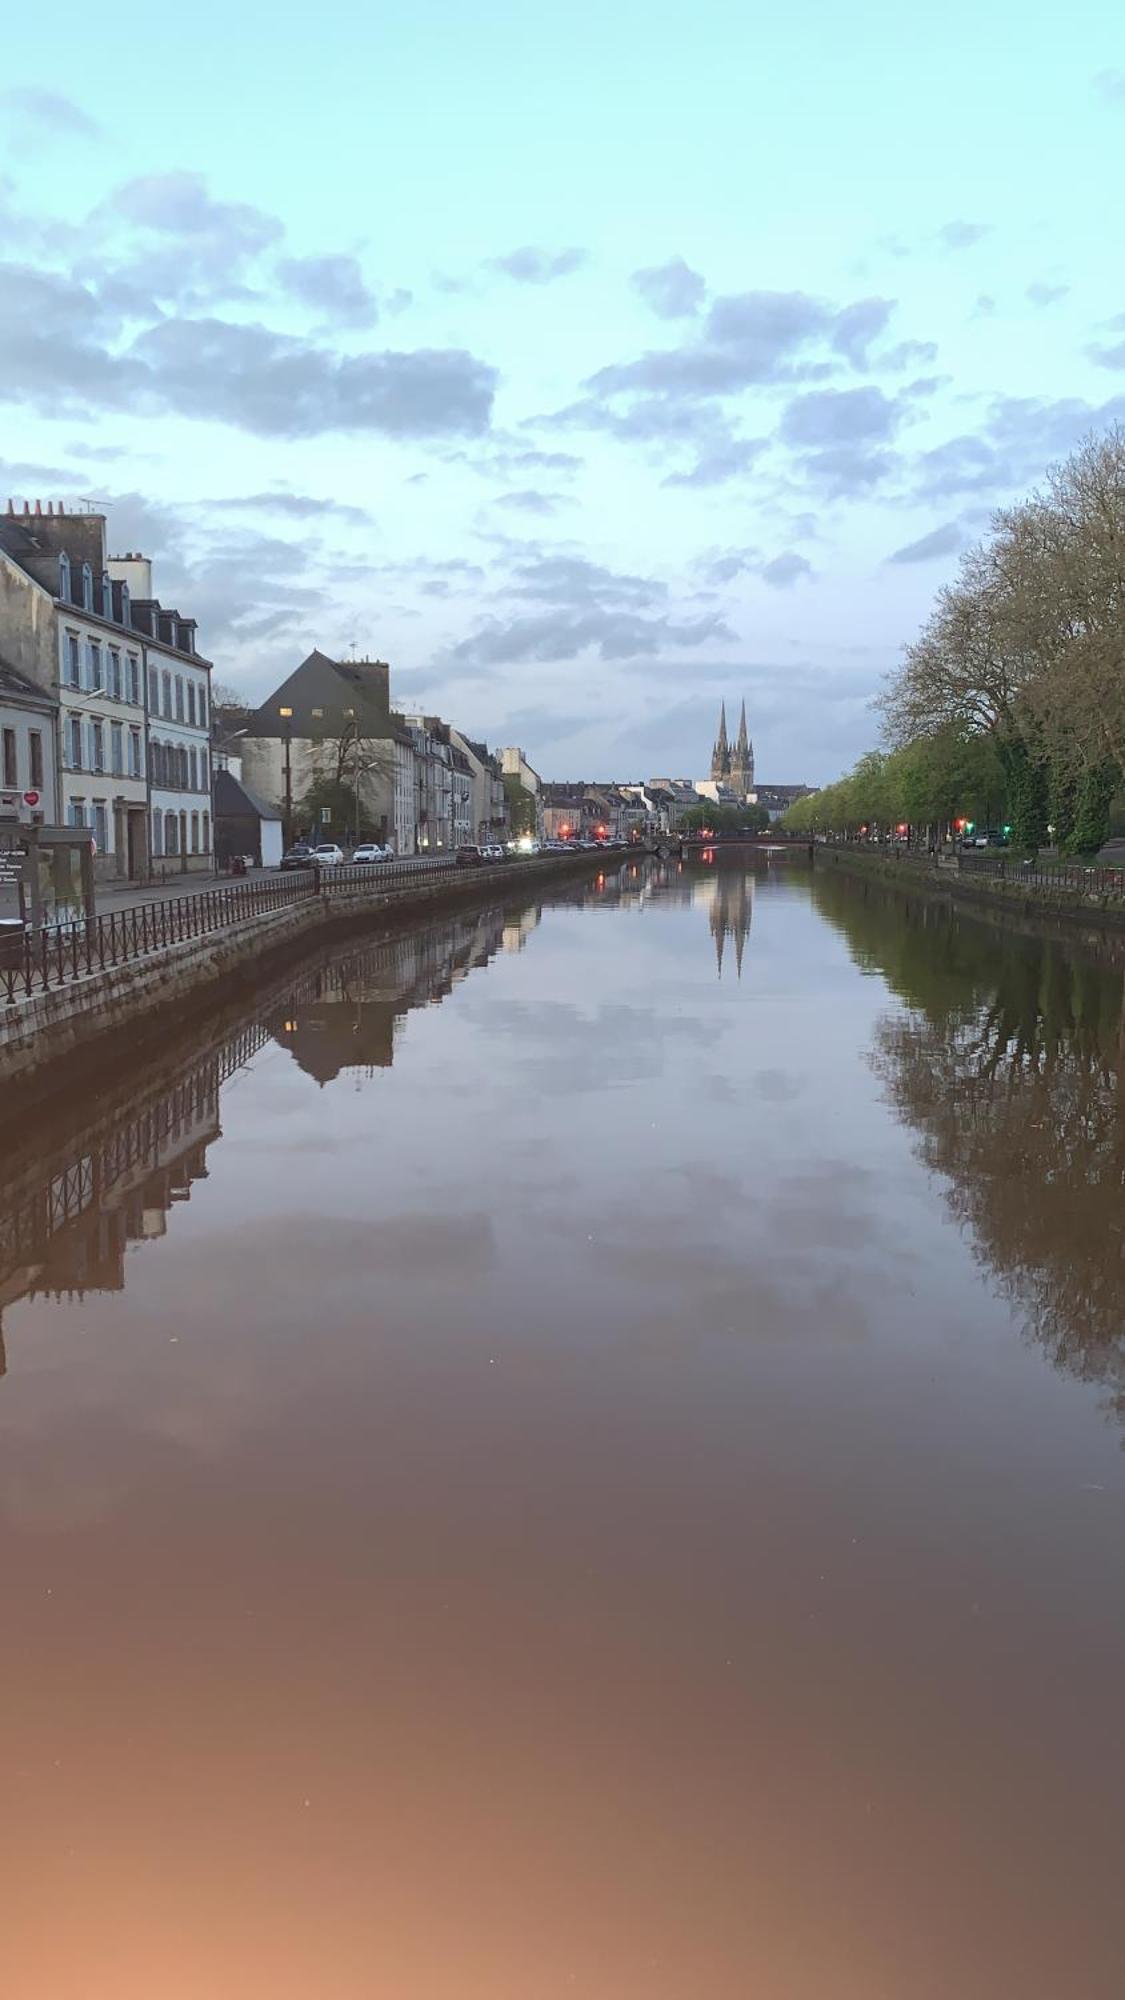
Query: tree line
[1009,708]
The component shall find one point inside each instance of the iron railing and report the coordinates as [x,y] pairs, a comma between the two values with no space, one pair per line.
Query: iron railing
[1093,880]
[37,961]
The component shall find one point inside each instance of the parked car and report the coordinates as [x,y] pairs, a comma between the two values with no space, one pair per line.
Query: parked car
[493,851]
[371,852]
[298,856]
[328,855]
[470,857]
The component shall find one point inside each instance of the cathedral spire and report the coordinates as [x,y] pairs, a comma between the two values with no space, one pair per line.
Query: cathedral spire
[743,749]
[742,762]
[720,759]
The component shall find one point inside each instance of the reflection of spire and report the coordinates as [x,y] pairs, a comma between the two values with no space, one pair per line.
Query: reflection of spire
[730,914]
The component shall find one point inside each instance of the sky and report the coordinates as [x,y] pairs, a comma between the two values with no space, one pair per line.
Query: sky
[590,364]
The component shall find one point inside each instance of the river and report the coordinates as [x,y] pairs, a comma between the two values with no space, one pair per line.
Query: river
[577,1451]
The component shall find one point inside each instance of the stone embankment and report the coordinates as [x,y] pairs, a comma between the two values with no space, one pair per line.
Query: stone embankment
[47,1035]
[1088,899]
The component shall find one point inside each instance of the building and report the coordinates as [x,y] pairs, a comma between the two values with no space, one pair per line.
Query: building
[322,749]
[732,771]
[245,824]
[517,771]
[489,806]
[178,691]
[28,750]
[86,629]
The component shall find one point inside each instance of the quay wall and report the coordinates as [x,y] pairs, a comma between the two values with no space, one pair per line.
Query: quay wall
[45,1038]
[1094,912]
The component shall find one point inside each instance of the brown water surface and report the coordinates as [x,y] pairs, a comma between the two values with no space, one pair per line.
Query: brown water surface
[578,1452]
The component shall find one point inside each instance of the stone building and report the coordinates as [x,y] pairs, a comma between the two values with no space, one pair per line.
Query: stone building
[329,724]
[28,750]
[732,771]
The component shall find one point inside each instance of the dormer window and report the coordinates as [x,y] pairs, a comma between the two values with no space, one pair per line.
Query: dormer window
[64,576]
[87,583]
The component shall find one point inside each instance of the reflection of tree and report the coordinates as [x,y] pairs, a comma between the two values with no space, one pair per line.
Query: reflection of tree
[1009,1065]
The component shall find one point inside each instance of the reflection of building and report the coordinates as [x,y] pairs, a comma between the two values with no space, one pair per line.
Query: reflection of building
[346,1014]
[67,1229]
[730,900]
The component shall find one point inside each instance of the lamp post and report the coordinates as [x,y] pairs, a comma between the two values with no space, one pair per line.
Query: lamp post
[286,715]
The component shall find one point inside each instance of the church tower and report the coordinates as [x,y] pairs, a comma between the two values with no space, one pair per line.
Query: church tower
[741,765]
[720,756]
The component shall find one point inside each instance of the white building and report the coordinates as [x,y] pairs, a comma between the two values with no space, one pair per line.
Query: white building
[178,688]
[27,750]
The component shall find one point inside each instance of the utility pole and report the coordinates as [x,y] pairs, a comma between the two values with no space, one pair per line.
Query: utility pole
[286,715]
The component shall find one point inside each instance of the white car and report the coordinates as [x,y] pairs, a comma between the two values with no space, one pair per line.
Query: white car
[327,855]
[371,852]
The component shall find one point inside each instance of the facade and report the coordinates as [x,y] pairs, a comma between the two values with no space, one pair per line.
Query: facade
[327,726]
[86,629]
[489,806]
[245,824]
[514,765]
[433,811]
[28,750]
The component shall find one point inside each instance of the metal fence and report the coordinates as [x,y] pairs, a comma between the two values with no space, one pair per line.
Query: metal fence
[36,961]
[1093,880]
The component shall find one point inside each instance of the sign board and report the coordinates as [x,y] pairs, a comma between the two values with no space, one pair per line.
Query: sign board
[326,815]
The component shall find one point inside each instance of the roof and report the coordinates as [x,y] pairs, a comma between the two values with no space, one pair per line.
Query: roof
[333,686]
[232,796]
[15,686]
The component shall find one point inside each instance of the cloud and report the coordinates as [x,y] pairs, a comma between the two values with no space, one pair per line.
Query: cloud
[190,244]
[50,110]
[1110,84]
[334,285]
[962,235]
[786,570]
[528,500]
[724,566]
[295,506]
[562,635]
[984,307]
[530,266]
[907,354]
[673,290]
[834,416]
[575,581]
[1040,294]
[1018,438]
[718,467]
[746,340]
[944,541]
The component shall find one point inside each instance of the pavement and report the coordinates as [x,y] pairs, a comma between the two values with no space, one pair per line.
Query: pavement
[131,895]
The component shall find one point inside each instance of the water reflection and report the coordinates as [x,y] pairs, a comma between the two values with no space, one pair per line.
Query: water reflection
[1009,1064]
[70,1212]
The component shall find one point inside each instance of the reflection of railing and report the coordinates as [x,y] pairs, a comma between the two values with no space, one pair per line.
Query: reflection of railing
[37,961]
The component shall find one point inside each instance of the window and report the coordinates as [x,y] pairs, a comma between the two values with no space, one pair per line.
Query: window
[35,746]
[153,691]
[193,759]
[183,763]
[134,679]
[195,833]
[135,754]
[202,709]
[171,834]
[76,812]
[206,833]
[74,745]
[167,681]
[116,749]
[115,673]
[191,702]
[94,652]
[11,774]
[179,697]
[101,828]
[158,833]
[73,672]
[97,746]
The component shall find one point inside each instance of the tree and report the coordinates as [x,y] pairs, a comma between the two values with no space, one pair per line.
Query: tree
[521,807]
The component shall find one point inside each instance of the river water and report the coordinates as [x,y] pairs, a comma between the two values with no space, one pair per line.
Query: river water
[578,1451]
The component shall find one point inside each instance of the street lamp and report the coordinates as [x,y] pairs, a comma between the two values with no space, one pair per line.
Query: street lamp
[286,715]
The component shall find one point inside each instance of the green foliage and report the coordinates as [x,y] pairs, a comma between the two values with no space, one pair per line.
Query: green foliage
[1028,787]
[337,798]
[1095,792]
[1062,794]
[725,819]
[521,807]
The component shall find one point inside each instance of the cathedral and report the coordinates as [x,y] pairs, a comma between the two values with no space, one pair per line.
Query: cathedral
[733,771]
